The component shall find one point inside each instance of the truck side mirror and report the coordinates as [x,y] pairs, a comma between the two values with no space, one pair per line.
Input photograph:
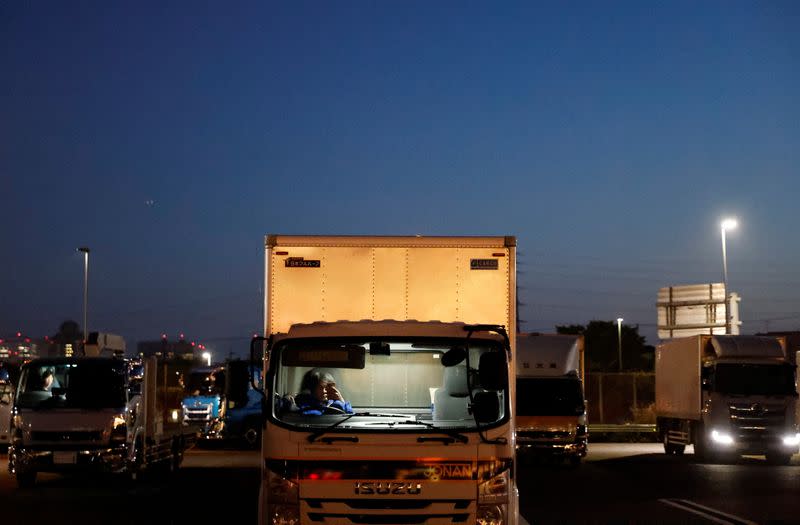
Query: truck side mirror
[256,364]
[486,407]
[492,371]
[454,356]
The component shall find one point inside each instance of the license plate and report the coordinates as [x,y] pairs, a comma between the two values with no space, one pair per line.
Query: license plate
[64,458]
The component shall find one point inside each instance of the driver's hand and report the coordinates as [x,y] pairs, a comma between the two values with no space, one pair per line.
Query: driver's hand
[334,394]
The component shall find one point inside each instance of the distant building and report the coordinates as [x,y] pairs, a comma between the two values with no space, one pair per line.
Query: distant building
[180,349]
[19,348]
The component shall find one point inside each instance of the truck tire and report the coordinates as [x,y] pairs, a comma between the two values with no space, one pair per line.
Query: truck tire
[25,478]
[779,458]
[701,452]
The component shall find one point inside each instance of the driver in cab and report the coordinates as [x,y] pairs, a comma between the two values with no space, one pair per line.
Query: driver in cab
[318,395]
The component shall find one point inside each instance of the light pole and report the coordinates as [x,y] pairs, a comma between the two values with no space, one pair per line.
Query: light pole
[207,357]
[727,224]
[619,341]
[85,251]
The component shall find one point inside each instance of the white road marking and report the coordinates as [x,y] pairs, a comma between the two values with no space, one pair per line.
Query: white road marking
[695,508]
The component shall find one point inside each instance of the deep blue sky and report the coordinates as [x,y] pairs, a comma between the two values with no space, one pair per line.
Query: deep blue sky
[610,138]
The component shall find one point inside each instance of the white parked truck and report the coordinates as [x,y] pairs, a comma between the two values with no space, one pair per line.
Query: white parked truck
[728,395]
[415,335]
[551,409]
[97,414]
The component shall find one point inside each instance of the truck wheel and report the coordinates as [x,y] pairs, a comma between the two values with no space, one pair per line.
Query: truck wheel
[700,446]
[26,478]
[667,446]
[779,458]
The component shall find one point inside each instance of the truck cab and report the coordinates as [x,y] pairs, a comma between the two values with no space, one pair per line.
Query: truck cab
[551,408]
[96,414]
[205,387]
[225,403]
[423,426]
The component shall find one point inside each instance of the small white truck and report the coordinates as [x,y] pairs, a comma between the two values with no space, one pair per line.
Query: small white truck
[99,414]
[728,395]
[416,334]
[551,409]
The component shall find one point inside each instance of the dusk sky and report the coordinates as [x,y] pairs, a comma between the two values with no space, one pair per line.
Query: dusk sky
[610,137]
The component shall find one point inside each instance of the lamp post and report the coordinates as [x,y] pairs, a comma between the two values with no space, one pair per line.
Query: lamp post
[207,357]
[85,252]
[619,341]
[727,224]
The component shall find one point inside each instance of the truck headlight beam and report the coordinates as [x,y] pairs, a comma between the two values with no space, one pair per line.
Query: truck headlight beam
[721,438]
[791,440]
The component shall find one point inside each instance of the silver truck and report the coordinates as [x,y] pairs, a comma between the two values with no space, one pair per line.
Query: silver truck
[100,414]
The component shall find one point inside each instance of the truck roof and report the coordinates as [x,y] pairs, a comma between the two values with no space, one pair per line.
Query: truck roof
[746,346]
[385,328]
[390,241]
[552,355]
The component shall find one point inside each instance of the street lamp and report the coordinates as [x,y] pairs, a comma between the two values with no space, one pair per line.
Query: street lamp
[727,224]
[207,357]
[619,341]
[85,251]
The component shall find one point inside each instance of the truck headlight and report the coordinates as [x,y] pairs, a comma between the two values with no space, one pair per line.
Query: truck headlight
[495,489]
[284,514]
[283,499]
[490,515]
[791,440]
[721,438]
[119,430]
[493,499]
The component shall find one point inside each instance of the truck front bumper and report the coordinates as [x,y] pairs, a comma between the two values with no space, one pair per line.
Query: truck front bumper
[112,459]
[575,448]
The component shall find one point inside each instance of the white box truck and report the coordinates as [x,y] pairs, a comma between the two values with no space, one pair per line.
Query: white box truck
[551,408]
[387,366]
[728,395]
[97,414]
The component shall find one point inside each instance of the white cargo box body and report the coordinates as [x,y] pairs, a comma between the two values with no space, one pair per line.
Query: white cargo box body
[678,365]
[549,355]
[343,278]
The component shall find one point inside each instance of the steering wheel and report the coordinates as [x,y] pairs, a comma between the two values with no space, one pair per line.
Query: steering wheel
[330,409]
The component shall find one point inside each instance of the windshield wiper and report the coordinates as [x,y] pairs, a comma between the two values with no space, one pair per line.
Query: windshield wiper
[453,435]
[315,435]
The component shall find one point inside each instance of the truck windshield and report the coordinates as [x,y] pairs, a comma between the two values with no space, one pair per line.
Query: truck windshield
[381,385]
[754,379]
[80,384]
[551,396]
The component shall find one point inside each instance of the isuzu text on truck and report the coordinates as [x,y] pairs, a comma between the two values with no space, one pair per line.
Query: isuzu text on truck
[551,409]
[417,335]
[728,395]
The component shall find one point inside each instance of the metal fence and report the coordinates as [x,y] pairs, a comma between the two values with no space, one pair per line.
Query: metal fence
[621,401]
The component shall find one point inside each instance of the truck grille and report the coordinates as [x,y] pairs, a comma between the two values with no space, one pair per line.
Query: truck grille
[387,511]
[69,437]
[530,435]
[755,421]
[198,414]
